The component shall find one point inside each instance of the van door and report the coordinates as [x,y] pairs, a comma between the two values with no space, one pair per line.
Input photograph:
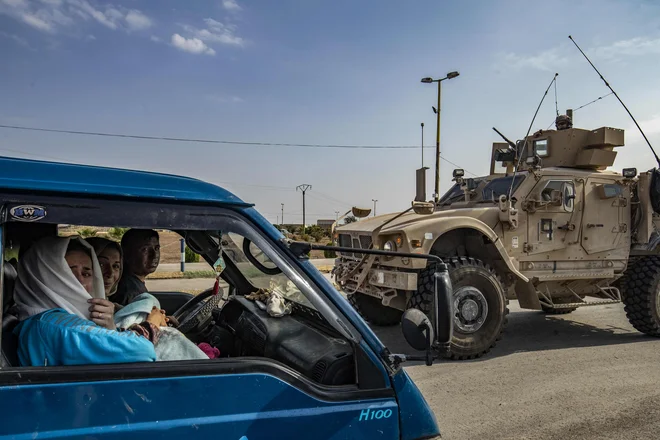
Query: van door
[229,400]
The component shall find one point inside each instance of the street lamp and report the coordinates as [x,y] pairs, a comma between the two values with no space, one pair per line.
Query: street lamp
[429,80]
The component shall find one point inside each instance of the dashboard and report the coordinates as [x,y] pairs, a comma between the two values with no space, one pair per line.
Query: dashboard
[296,341]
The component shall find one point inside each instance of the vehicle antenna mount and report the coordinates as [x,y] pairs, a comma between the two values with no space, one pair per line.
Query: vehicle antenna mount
[524,146]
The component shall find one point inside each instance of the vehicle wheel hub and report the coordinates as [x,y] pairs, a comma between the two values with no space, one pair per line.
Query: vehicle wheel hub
[471,309]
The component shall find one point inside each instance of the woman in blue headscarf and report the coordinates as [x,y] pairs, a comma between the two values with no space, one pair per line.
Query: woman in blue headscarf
[65,318]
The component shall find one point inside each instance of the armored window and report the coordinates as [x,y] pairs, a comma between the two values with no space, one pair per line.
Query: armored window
[541,148]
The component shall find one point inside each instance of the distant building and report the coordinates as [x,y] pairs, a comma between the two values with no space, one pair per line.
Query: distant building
[325,224]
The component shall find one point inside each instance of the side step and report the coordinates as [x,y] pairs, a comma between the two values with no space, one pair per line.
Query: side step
[612,293]
[584,304]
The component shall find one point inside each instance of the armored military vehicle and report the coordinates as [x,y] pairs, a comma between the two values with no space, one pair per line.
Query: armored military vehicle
[557,232]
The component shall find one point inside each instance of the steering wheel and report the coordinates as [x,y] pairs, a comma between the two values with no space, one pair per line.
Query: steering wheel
[197,311]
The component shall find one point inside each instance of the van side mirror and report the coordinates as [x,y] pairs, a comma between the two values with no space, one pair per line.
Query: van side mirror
[417,328]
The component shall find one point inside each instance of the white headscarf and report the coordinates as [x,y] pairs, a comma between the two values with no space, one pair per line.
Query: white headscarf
[46,282]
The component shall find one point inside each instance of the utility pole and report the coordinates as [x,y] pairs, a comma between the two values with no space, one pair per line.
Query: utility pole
[282,223]
[374,200]
[303,188]
[429,80]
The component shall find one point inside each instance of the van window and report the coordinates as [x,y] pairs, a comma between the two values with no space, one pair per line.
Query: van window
[263,300]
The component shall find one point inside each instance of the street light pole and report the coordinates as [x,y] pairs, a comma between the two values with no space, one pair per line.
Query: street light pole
[282,224]
[374,200]
[304,188]
[429,80]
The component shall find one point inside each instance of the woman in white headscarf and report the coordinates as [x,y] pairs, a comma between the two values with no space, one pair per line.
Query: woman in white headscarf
[65,318]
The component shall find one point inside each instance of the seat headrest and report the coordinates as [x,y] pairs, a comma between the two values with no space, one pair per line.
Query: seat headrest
[10,272]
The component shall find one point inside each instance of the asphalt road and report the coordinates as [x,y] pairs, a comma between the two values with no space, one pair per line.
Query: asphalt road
[586,375]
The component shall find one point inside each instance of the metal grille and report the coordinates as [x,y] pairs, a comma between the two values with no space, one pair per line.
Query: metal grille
[345,241]
[319,370]
[365,241]
[361,242]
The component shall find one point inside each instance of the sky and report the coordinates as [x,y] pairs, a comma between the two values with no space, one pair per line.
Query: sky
[335,72]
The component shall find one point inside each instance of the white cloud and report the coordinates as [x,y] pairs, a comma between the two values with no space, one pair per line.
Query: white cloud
[137,21]
[231,5]
[550,60]
[225,99]
[215,32]
[155,39]
[108,18]
[192,45]
[54,15]
[632,47]
[21,41]
[36,22]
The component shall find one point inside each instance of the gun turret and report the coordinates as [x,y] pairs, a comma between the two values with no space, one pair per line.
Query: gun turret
[508,141]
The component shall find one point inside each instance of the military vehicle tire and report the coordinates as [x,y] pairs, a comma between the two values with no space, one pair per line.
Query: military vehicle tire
[641,295]
[373,310]
[475,284]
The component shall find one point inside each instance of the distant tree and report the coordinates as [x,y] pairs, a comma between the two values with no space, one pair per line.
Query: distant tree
[350,219]
[87,232]
[117,233]
[190,256]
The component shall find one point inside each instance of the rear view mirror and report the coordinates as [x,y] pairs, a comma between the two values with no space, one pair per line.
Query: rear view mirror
[360,212]
[423,208]
[568,194]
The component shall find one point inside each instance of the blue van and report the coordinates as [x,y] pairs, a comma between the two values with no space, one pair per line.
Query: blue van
[318,372]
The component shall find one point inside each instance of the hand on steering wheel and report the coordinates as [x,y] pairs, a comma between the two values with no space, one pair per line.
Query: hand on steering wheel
[197,311]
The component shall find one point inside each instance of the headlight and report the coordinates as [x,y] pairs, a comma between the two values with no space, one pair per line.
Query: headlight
[389,246]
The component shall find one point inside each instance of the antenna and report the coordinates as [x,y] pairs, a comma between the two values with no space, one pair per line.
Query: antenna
[556,104]
[524,146]
[617,97]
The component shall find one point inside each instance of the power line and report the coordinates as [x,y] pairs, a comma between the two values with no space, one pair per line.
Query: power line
[213,141]
[206,141]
